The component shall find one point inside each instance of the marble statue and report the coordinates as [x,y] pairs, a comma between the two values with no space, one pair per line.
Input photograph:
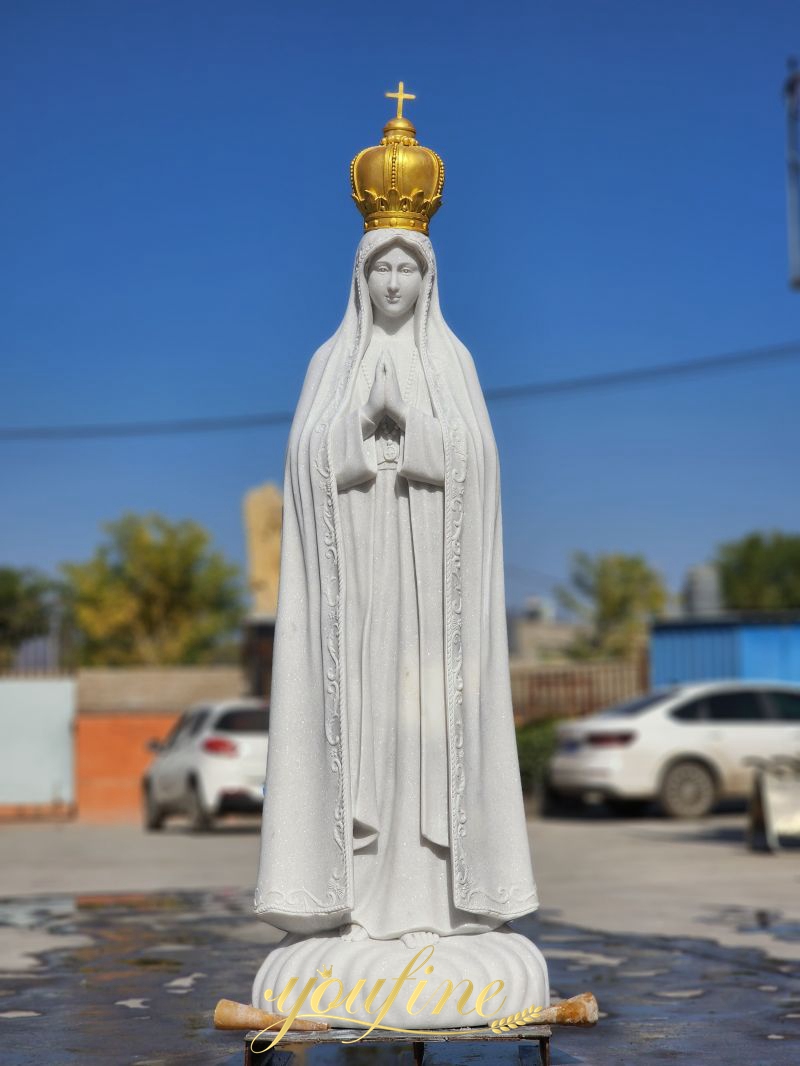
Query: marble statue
[393,814]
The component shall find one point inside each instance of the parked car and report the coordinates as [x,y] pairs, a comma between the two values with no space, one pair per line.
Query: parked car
[685,746]
[212,763]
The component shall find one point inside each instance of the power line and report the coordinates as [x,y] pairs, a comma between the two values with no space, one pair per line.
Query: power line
[145,429]
[499,394]
[665,370]
[529,573]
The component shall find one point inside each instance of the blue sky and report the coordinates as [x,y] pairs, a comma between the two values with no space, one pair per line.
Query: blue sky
[178,234]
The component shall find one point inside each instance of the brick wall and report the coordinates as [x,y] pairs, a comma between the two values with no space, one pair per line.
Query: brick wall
[155,688]
[37,812]
[111,756]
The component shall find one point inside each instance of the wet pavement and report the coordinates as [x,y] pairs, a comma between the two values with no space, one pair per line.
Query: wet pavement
[132,980]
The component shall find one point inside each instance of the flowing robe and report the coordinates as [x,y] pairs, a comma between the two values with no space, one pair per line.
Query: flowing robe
[391,506]
[320,815]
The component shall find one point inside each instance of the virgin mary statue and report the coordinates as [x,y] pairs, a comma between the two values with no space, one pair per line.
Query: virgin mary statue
[393,814]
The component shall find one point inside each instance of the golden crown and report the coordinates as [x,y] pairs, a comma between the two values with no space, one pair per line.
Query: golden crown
[398,183]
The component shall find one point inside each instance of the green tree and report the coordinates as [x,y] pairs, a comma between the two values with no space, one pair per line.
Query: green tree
[760,571]
[153,593]
[615,596]
[24,609]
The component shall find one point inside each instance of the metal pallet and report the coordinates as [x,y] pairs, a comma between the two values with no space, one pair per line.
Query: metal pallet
[281,1055]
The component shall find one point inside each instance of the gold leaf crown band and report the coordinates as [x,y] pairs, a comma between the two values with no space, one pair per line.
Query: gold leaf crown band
[398,183]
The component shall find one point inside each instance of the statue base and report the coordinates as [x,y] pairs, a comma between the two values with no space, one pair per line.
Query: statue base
[437,986]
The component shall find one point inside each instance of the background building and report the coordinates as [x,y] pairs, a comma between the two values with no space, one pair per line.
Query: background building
[737,644]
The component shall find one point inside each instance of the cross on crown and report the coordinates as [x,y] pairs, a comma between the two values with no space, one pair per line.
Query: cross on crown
[400,96]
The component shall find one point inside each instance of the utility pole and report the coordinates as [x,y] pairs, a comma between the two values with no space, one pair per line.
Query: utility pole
[791,93]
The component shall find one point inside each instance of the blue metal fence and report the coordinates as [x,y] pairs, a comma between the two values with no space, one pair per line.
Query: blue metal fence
[745,647]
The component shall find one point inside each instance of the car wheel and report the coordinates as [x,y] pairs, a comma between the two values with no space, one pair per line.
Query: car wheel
[153,813]
[688,790]
[199,818]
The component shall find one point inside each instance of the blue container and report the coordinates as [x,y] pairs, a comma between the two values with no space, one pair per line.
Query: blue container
[741,645]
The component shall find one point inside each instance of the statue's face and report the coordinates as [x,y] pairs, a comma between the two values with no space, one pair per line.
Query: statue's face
[394,279]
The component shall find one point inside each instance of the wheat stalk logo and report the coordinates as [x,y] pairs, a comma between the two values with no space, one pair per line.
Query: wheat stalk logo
[514,1021]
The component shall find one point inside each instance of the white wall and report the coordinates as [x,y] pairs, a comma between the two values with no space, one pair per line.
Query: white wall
[36,733]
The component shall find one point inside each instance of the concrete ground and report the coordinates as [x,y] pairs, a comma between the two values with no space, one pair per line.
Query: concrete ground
[115,943]
[645,876]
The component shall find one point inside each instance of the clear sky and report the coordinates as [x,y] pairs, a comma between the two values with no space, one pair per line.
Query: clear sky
[177,238]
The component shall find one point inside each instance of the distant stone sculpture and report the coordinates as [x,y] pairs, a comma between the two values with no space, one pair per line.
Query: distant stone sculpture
[393,815]
[263,507]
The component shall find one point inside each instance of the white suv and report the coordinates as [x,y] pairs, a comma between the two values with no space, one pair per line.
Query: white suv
[212,763]
[686,746]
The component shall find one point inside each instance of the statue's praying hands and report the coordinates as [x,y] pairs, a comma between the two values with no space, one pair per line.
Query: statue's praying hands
[385,398]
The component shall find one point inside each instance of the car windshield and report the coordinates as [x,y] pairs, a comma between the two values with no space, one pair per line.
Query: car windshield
[243,720]
[636,706]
